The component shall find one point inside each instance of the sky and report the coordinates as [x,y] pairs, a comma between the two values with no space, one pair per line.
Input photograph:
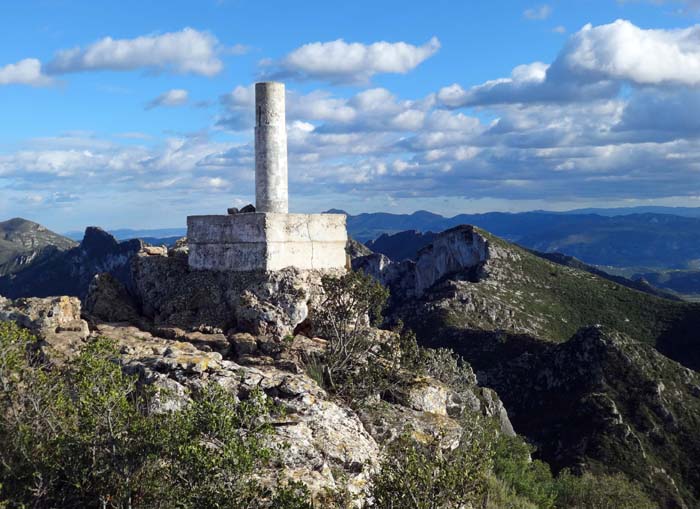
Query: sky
[139,113]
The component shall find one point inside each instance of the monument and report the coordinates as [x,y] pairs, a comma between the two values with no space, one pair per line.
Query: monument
[269,238]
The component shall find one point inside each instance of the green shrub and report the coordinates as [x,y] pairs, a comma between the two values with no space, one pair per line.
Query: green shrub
[600,492]
[422,474]
[352,303]
[529,479]
[83,437]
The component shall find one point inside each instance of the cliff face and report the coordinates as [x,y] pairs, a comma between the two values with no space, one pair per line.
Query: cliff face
[458,252]
[70,272]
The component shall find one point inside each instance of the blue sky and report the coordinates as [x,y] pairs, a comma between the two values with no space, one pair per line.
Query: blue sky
[136,114]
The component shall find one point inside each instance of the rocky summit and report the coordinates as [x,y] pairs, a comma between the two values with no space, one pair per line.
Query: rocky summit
[327,444]
[600,378]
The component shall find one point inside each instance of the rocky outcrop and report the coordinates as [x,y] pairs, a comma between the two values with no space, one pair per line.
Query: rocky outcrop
[321,441]
[262,303]
[460,252]
[108,300]
[70,272]
[55,320]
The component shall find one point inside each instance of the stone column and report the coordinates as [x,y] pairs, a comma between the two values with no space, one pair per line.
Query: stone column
[270,149]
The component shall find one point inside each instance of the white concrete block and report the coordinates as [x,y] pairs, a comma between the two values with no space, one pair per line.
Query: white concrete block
[260,241]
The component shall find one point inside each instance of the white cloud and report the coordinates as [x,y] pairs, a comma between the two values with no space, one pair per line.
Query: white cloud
[186,51]
[24,72]
[527,83]
[559,29]
[342,62]
[538,13]
[594,64]
[174,97]
[623,51]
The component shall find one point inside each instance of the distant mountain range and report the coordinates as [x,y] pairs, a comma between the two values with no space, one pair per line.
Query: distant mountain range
[645,238]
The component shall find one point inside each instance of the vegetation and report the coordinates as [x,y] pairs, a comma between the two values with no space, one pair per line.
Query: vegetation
[426,475]
[84,437]
[353,302]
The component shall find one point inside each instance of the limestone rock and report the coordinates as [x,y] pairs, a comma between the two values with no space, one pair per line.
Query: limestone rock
[262,303]
[55,320]
[425,395]
[155,250]
[108,300]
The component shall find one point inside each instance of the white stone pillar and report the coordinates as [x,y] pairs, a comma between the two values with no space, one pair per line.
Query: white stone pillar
[270,149]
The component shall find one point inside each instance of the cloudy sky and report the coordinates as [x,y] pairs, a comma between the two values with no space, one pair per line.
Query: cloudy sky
[136,114]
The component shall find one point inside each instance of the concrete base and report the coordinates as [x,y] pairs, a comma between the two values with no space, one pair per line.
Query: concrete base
[267,241]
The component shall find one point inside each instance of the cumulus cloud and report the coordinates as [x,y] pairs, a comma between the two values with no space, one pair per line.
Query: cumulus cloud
[623,51]
[186,51]
[540,12]
[174,97]
[24,72]
[375,109]
[342,62]
[594,64]
[527,83]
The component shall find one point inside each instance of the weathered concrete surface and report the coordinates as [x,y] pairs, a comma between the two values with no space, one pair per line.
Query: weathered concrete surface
[270,149]
[259,241]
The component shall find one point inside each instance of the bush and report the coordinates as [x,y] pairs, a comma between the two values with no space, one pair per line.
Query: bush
[83,437]
[529,479]
[600,492]
[421,474]
[352,303]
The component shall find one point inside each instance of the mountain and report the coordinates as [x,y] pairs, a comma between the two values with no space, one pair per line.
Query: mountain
[23,242]
[625,211]
[649,240]
[683,282]
[406,246]
[69,272]
[128,233]
[600,376]
[602,399]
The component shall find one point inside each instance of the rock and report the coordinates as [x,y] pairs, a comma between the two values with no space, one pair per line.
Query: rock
[55,320]
[44,316]
[423,394]
[460,250]
[155,250]
[180,250]
[386,422]
[247,209]
[243,343]
[232,210]
[262,303]
[108,300]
